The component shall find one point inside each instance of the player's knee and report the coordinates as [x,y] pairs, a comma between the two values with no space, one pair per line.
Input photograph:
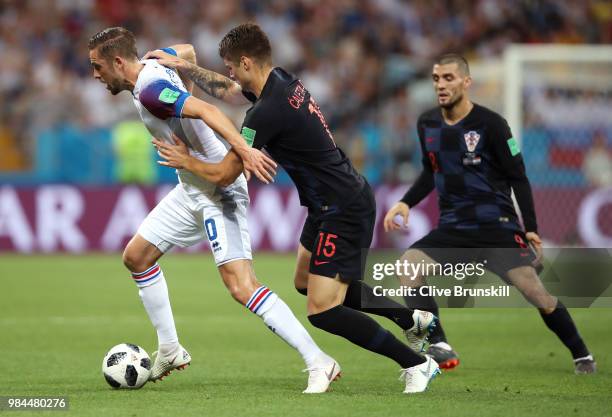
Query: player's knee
[321,318]
[239,292]
[134,261]
[548,310]
[415,278]
[409,255]
[239,280]
[541,300]
[238,288]
[318,305]
[537,295]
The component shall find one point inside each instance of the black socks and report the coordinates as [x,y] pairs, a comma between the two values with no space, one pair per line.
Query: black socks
[360,296]
[561,323]
[365,332]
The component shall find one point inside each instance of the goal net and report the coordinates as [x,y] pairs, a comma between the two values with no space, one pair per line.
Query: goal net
[558,102]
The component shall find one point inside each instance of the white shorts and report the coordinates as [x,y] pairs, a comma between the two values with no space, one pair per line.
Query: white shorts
[183,220]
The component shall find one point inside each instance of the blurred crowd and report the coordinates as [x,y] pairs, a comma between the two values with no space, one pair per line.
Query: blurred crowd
[355,56]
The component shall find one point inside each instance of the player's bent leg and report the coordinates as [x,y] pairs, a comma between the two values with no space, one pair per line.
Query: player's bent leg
[325,311]
[525,279]
[360,296]
[140,254]
[439,348]
[240,279]
[418,323]
[555,316]
[324,293]
[140,257]
[414,256]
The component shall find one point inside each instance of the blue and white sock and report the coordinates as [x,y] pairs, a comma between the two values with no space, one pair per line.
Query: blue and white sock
[280,319]
[148,277]
[153,292]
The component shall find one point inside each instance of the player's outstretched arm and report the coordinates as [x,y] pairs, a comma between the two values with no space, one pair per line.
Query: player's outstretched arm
[185,51]
[177,156]
[211,82]
[506,149]
[253,159]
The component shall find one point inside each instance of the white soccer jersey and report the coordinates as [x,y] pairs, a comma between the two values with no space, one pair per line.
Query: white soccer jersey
[159,96]
[196,209]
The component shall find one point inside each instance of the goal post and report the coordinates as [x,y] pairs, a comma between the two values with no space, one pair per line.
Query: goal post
[518,57]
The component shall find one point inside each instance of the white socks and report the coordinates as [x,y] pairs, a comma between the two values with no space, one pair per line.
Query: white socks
[153,292]
[280,319]
[275,313]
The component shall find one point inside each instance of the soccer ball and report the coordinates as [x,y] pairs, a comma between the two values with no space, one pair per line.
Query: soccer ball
[126,366]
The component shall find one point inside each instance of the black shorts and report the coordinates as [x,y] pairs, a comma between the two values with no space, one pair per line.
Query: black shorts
[339,241]
[499,249]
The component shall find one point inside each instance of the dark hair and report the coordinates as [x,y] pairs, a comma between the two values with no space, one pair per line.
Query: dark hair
[461,62]
[116,41]
[246,40]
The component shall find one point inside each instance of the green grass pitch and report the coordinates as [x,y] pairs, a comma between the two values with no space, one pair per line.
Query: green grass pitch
[60,314]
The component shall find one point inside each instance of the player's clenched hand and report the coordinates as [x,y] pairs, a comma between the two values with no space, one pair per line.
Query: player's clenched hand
[399,208]
[166,59]
[536,243]
[258,163]
[176,156]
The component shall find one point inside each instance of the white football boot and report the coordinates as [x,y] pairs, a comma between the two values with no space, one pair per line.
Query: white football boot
[324,371]
[417,377]
[585,365]
[164,364]
[424,323]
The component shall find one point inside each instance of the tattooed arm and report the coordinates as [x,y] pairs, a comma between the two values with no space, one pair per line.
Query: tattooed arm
[215,84]
[212,83]
[187,52]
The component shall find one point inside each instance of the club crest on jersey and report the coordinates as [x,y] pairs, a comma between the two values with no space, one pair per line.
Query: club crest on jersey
[471,140]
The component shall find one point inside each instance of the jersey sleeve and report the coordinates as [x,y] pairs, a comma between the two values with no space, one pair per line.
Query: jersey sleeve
[163,99]
[505,146]
[424,156]
[425,182]
[261,125]
[507,152]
